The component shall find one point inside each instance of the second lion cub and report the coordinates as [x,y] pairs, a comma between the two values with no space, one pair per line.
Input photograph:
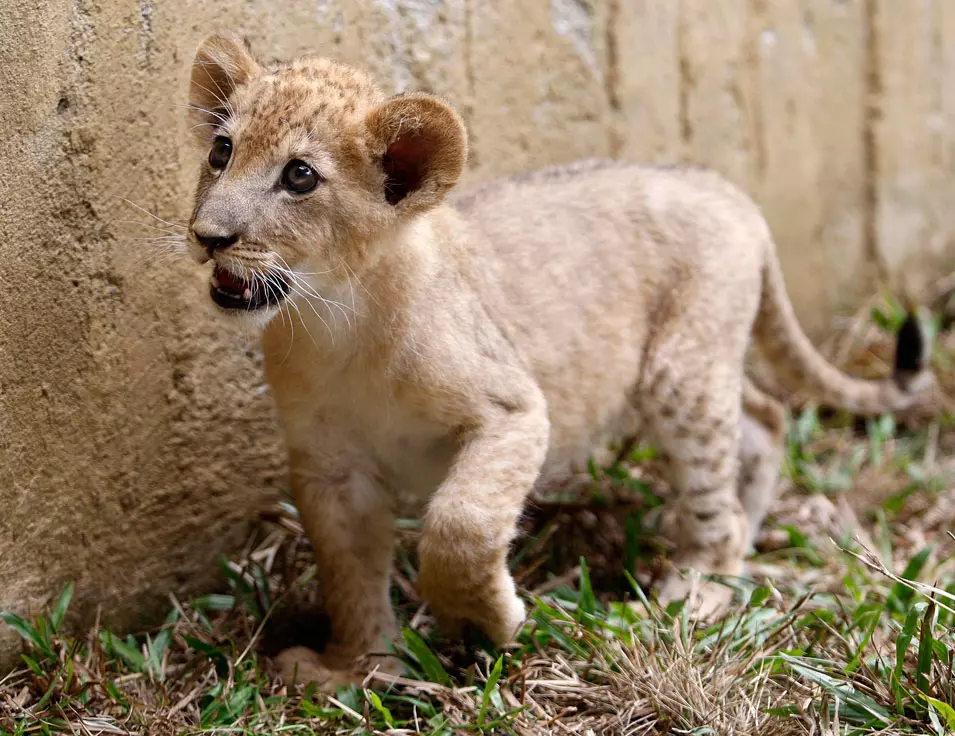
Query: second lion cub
[456,353]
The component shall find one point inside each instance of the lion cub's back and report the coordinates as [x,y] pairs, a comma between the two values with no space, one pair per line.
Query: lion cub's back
[584,260]
[597,234]
[584,210]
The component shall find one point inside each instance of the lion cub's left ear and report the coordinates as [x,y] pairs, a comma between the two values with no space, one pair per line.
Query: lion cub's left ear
[422,145]
[223,63]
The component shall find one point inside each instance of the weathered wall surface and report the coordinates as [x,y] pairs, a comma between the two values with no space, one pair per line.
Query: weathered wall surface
[136,435]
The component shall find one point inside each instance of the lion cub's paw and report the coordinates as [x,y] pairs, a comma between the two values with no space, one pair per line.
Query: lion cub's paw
[495,609]
[706,599]
[300,665]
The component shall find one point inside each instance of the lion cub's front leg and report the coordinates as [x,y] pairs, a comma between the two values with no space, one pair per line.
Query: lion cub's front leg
[472,518]
[349,520]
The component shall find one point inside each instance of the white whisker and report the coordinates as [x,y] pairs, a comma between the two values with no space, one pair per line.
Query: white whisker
[201,125]
[160,253]
[283,310]
[155,217]
[288,269]
[296,286]
[311,306]
[360,284]
[157,239]
[150,226]
[214,114]
[301,320]
[221,91]
[221,100]
[306,290]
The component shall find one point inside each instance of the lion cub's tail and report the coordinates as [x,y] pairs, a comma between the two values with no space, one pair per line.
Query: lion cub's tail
[799,366]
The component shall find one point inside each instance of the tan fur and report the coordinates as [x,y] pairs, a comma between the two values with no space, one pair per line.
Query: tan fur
[453,355]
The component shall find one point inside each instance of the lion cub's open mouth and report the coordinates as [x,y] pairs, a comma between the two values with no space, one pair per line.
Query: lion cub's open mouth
[231,291]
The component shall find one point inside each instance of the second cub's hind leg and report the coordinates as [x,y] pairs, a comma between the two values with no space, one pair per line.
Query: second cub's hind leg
[694,417]
[763,425]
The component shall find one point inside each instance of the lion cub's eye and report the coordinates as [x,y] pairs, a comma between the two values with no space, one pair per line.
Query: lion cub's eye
[221,152]
[299,177]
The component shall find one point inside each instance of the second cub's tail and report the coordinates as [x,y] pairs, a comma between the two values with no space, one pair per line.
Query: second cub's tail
[800,367]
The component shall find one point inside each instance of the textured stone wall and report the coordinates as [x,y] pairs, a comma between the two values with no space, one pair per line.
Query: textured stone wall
[136,434]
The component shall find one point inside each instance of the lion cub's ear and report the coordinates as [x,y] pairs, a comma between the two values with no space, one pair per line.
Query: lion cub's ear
[422,145]
[223,63]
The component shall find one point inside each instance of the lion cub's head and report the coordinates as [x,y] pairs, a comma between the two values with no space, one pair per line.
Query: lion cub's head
[306,167]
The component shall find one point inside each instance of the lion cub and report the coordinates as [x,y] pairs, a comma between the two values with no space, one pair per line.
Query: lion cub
[458,353]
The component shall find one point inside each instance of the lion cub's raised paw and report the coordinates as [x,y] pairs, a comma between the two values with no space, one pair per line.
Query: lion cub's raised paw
[457,600]
[499,618]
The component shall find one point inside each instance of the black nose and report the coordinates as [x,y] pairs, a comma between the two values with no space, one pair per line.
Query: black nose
[212,243]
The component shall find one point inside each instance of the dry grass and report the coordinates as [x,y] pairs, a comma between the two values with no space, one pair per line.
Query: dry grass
[843,624]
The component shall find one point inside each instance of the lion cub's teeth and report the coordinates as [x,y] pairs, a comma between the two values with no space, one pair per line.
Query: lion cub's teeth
[215,282]
[247,294]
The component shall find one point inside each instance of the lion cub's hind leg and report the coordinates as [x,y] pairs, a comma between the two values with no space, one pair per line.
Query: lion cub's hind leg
[763,426]
[693,409]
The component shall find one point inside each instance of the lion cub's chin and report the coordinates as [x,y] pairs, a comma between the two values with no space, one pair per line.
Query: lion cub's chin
[255,320]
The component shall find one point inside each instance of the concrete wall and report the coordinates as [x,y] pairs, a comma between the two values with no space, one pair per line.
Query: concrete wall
[136,435]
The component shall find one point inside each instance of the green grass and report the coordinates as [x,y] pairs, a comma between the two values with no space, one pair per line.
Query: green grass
[843,625]
[874,658]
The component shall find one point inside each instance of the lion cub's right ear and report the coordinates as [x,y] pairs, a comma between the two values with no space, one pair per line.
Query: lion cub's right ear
[223,63]
[422,146]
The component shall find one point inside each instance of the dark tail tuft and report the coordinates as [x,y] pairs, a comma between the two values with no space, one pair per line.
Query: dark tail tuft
[909,351]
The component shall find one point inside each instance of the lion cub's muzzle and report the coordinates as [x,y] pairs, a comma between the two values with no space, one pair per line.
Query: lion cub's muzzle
[231,291]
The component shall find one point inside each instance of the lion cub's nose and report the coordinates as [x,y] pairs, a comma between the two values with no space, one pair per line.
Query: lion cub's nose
[212,243]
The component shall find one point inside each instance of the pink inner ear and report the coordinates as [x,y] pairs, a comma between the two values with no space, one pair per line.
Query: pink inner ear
[406,164]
